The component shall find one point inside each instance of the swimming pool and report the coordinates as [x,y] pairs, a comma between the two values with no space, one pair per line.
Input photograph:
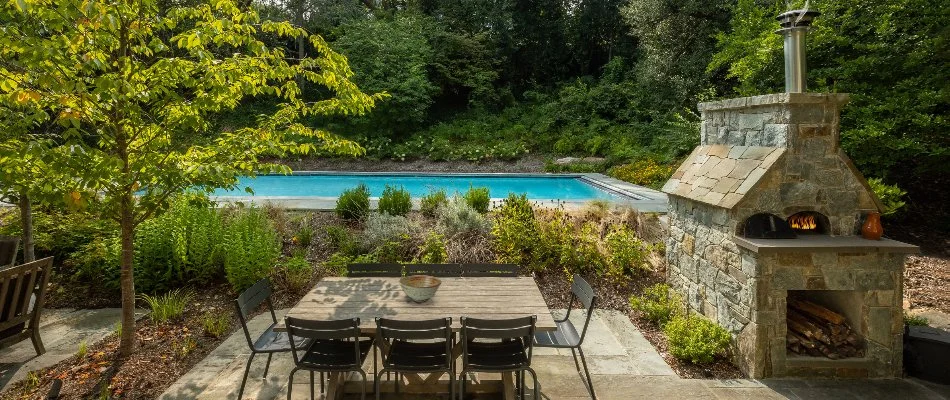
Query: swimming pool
[319,190]
[535,187]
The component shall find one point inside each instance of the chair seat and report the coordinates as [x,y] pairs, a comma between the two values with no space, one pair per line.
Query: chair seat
[502,356]
[413,356]
[274,342]
[565,336]
[334,355]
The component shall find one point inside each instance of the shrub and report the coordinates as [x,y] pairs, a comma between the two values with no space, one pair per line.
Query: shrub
[645,172]
[383,228]
[168,306]
[216,325]
[337,262]
[395,201]
[57,233]
[658,304]
[891,196]
[695,339]
[429,204]
[296,273]
[515,230]
[478,198]
[555,232]
[353,203]
[915,320]
[342,240]
[250,247]
[99,262]
[304,236]
[457,217]
[433,250]
[178,247]
[625,252]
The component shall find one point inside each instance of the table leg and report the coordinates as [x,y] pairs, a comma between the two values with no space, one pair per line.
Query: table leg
[335,385]
[508,385]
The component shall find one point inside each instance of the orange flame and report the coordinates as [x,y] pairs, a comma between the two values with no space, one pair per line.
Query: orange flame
[803,222]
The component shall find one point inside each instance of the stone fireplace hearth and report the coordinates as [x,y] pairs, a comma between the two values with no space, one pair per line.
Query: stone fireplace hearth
[779,155]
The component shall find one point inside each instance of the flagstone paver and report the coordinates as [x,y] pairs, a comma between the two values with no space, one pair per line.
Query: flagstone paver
[624,365]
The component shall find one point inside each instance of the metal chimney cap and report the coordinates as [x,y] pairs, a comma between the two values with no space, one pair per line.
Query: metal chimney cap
[797,18]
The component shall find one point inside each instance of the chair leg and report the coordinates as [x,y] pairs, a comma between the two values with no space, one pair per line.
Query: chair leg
[577,365]
[37,342]
[322,391]
[521,384]
[290,384]
[267,366]
[590,383]
[537,385]
[311,386]
[247,370]
[363,386]
[451,384]
[376,378]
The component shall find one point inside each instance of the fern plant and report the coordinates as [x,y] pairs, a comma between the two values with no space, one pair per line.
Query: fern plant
[251,248]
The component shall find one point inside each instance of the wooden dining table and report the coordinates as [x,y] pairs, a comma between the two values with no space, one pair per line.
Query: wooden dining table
[478,297]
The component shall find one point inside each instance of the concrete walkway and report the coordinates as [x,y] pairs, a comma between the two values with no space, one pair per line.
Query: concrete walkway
[62,331]
[623,363]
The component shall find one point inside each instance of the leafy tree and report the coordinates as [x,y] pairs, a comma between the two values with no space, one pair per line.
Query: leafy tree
[891,56]
[676,40]
[391,55]
[133,83]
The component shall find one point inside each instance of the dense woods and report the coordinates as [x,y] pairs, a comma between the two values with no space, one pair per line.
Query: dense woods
[620,79]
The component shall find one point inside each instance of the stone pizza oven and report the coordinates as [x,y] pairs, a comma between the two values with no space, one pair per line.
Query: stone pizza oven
[767,211]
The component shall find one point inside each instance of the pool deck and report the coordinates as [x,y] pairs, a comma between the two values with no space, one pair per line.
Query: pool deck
[640,198]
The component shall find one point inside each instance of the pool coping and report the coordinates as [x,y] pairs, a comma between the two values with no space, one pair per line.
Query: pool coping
[638,197]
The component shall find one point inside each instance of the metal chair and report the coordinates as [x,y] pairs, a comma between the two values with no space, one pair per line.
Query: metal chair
[440,270]
[335,346]
[269,342]
[374,270]
[566,336]
[415,346]
[502,346]
[489,270]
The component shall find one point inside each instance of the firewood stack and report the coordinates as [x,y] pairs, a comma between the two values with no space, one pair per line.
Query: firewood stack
[816,331]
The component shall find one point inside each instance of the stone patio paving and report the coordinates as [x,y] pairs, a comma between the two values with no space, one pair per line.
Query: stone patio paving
[623,363]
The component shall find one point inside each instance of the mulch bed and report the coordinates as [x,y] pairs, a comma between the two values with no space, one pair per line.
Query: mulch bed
[555,288]
[164,353]
[926,282]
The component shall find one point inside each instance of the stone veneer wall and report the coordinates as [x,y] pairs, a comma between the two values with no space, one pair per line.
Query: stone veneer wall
[732,285]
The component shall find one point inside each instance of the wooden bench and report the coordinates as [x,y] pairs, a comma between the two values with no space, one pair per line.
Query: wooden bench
[8,250]
[18,320]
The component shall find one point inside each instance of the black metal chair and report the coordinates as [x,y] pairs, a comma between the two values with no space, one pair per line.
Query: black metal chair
[335,346]
[440,270]
[374,270]
[566,336]
[502,346]
[489,270]
[269,342]
[415,346]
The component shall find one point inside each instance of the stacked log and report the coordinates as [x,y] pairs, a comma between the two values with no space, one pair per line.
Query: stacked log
[816,331]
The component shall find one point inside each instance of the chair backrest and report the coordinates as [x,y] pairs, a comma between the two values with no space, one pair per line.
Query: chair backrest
[584,293]
[374,270]
[498,330]
[9,247]
[488,270]
[249,300]
[17,284]
[336,330]
[389,330]
[441,270]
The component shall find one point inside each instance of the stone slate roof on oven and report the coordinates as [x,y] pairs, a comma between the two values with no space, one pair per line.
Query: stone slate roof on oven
[721,175]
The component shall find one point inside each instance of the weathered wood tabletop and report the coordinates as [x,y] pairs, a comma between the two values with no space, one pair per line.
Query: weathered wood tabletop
[368,298]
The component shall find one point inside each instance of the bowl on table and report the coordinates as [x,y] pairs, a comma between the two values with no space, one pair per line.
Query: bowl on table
[420,288]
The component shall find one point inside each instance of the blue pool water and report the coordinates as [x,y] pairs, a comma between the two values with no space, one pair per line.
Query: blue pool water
[331,185]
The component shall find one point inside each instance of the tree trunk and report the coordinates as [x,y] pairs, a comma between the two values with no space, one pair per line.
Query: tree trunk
[127,340]
[26,220]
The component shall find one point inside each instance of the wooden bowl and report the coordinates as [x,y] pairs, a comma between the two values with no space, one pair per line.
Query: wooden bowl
[420,288]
